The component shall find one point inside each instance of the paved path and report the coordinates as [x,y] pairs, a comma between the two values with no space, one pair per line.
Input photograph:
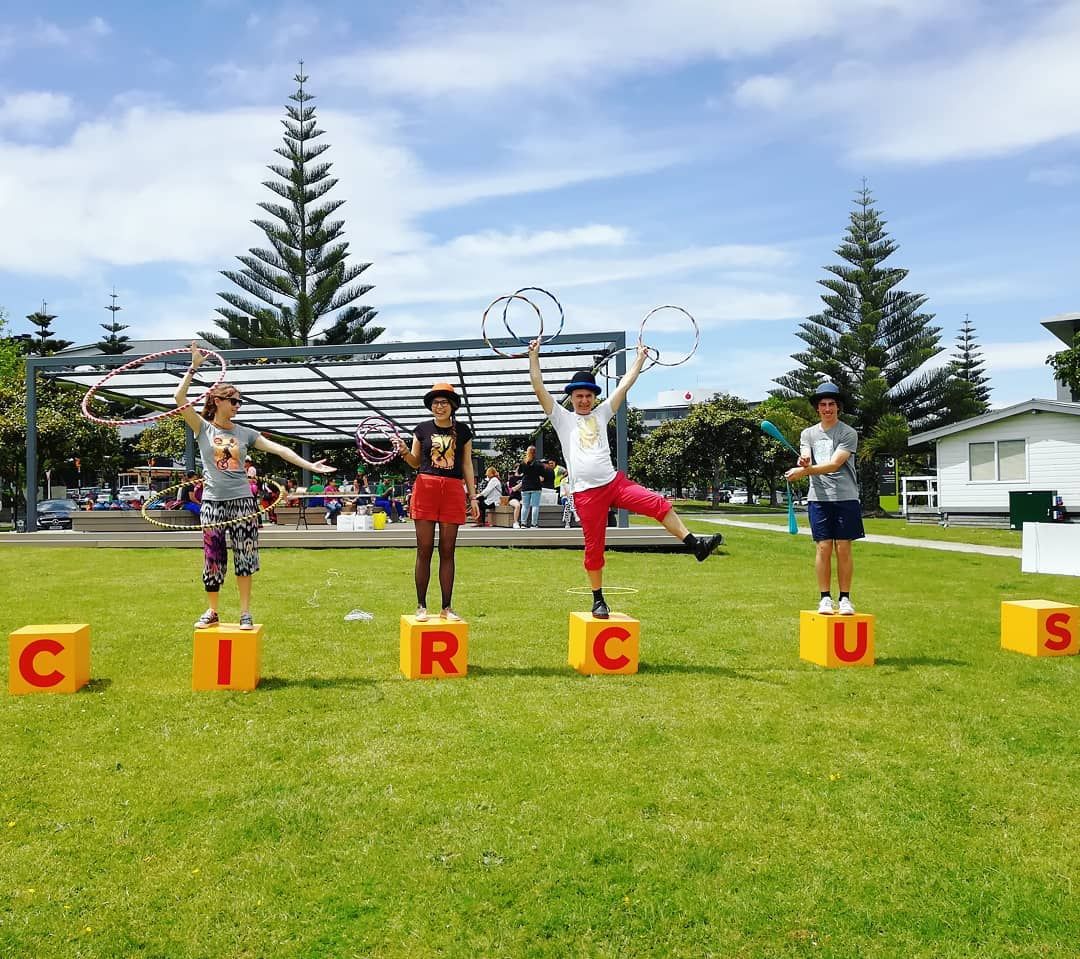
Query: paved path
[871,538]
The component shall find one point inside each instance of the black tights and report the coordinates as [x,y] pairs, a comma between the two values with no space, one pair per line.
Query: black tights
[425,547]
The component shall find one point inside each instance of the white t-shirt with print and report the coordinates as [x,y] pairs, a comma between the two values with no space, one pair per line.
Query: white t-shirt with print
[585,445]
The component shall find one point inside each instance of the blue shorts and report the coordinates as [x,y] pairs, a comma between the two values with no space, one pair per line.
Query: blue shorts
[841,520]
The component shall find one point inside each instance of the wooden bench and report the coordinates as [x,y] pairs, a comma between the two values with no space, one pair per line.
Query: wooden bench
[551,517]
[129,520]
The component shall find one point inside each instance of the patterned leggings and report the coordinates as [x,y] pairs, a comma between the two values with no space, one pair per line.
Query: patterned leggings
[244,536]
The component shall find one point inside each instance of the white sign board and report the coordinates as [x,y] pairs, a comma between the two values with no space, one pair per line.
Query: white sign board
[1051,548]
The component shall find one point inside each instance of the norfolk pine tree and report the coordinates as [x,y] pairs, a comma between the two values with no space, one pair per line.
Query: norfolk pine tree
[114,344]
[302,278]
[43,342]
[871,340]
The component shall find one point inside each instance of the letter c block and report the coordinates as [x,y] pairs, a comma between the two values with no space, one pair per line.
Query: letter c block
[434,649]
[1039,627]
[836,641]
[604,645]
[49,659]
[226,657]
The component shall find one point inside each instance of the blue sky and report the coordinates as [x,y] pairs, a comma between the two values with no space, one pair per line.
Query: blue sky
[622,154]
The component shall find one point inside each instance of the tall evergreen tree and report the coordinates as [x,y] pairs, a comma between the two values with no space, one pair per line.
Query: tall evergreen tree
[114,344]
[871,339]
[967,364]
[43,342]
[302,278]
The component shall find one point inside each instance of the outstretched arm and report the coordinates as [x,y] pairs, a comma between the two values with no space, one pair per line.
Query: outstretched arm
[629,378]
[283,452]
[190,416]
[547,401]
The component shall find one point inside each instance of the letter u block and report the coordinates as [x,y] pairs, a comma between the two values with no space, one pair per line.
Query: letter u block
[435,649]
[1039,627]
[604,645]
[49,659]
[836,641]
[226,657]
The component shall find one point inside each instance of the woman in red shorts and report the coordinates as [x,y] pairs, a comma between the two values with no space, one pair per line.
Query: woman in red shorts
[442,454]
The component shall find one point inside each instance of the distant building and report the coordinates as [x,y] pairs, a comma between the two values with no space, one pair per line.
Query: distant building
[673,405]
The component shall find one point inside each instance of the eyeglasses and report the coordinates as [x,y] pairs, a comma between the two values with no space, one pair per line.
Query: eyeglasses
[440,402]
[235,400]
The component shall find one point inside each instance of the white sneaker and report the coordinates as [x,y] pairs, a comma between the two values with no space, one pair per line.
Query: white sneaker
[421,614]
[450,616]
[826,606]
[517,526]
[846,607]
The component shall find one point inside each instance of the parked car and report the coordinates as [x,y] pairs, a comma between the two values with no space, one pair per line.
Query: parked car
[56,513]
[104,496]
[128,493]
[723,496]
[740,497]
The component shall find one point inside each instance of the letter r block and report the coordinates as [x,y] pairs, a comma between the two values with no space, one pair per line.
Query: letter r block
[604,645]
[1039,627]
[435,649]
[226,657]
[836,641]
[49,659]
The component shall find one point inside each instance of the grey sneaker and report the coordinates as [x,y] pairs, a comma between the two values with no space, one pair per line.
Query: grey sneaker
[209,618]
[421,614]
[246,622]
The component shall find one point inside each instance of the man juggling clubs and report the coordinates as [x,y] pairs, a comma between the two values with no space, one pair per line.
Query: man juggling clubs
[594,482]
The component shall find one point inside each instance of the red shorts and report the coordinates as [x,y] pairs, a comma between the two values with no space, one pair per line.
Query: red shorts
[592,507]
[440,499]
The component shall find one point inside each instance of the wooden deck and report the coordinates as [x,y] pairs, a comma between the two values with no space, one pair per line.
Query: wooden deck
[395,536]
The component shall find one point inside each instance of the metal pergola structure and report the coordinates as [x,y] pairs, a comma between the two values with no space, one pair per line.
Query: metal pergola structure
[321,393]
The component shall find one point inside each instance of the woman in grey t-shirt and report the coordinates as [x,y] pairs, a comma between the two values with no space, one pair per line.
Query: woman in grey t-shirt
[227,502]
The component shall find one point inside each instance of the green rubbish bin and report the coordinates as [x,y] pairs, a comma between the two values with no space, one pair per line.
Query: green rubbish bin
[1030,506]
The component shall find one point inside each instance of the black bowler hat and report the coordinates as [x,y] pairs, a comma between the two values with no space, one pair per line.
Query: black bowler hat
[582,380]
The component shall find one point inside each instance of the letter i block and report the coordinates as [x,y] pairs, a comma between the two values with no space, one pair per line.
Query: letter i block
[836,641]
[49,659]
[1039,627]
[434,649]
[604,645]
[226,657]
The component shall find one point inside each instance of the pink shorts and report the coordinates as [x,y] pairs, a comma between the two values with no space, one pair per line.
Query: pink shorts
[592,507]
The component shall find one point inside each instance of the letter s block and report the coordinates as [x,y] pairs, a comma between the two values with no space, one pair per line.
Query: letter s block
[226,657]
[49,659]
[1039,627]
[836,641]
[604,645]
[434,649]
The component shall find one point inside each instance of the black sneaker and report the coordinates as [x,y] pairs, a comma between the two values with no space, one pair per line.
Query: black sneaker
[600,609]
[705,545]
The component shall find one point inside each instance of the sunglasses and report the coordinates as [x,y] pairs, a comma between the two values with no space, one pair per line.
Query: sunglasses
[235,400]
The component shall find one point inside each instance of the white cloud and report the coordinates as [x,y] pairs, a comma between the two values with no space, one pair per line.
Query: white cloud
[1025,355]
[31,111]
[769,92]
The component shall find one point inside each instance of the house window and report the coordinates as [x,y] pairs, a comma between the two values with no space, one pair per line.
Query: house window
[1004,460]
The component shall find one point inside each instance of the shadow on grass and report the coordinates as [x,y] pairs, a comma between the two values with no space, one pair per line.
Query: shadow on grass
[270,683]
[700,669]
[96,686]
[903,663]
[479,672]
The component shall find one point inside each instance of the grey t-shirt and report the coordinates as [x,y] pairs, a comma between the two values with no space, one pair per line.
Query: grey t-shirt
[824,445]
[223,453]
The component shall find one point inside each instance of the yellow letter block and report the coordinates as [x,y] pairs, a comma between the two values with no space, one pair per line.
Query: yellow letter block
[604,645]
[435,649]
[836,641]
[226,657]
[1039,627]
[49,659]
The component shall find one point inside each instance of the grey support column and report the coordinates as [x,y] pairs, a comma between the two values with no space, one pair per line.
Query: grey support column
[31,446]
[189,449]
[621,452]
[305,475]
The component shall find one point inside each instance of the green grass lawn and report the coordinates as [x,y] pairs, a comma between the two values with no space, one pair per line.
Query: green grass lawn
[976,535]
[728,800]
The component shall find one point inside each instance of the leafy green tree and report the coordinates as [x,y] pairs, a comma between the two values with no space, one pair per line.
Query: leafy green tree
[164,439]
[1066,364]
[871,339]
[44,343]
[302,278]
[113,344]
[967,364]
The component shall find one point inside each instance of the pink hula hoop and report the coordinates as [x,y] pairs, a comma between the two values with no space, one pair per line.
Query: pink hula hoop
[139,362]
[370,453]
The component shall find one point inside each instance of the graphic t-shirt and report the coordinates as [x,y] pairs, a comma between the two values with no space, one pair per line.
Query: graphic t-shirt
[843,485]
[441,449]
[585,445]
[223,453]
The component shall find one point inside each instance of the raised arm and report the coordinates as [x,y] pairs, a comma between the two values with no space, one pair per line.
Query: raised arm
[547,401]
[629,378]
[283,452]
[180,396]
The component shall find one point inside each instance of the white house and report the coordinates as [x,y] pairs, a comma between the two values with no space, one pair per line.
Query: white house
[1034,445]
